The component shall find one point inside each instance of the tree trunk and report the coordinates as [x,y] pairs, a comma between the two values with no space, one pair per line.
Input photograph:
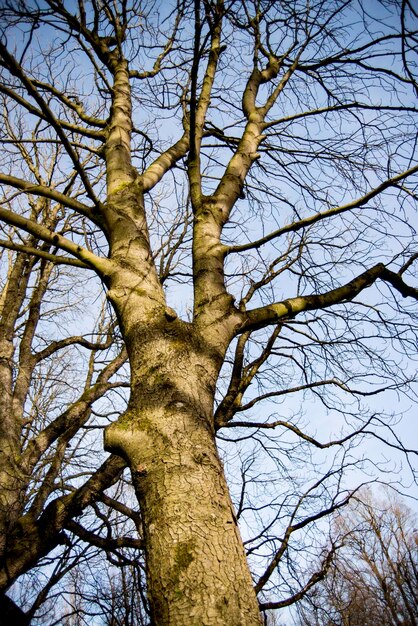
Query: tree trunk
[10,613]
[196,566]
[12,481]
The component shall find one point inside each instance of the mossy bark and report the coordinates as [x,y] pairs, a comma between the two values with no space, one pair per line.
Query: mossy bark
[197,570]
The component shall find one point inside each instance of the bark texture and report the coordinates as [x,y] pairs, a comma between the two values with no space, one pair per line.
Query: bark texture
[196,567]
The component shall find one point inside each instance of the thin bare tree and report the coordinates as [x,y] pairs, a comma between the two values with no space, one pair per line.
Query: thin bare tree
[374,576]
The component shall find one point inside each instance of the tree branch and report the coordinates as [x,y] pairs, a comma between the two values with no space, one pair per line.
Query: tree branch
[315,578]
[42,254]
[105,543]
[99,264]
[273,313]
[48,192]
[16,70]
[75,415]
[155,172]
[31,539]
[308,221]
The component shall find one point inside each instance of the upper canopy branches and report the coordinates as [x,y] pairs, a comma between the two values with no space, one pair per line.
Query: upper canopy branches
[281,115]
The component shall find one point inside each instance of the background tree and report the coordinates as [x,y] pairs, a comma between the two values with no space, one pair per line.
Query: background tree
[375,573]
[52,383]
[240,179]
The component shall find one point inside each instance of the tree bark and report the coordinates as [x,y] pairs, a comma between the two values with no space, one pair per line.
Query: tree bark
[197,570]
[11,478]
[10,613]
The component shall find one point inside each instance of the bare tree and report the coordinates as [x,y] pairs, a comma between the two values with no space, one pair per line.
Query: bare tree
[51,384]
[374,577]
[240,178]
[111,594]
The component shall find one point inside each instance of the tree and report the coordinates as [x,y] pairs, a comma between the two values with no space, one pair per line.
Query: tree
[259,157]
[375,573]
[41,377]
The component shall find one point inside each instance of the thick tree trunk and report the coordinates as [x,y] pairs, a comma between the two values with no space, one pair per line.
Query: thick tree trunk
[197,570]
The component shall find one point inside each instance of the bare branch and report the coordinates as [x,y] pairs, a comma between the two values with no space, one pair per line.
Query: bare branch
[308,221]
